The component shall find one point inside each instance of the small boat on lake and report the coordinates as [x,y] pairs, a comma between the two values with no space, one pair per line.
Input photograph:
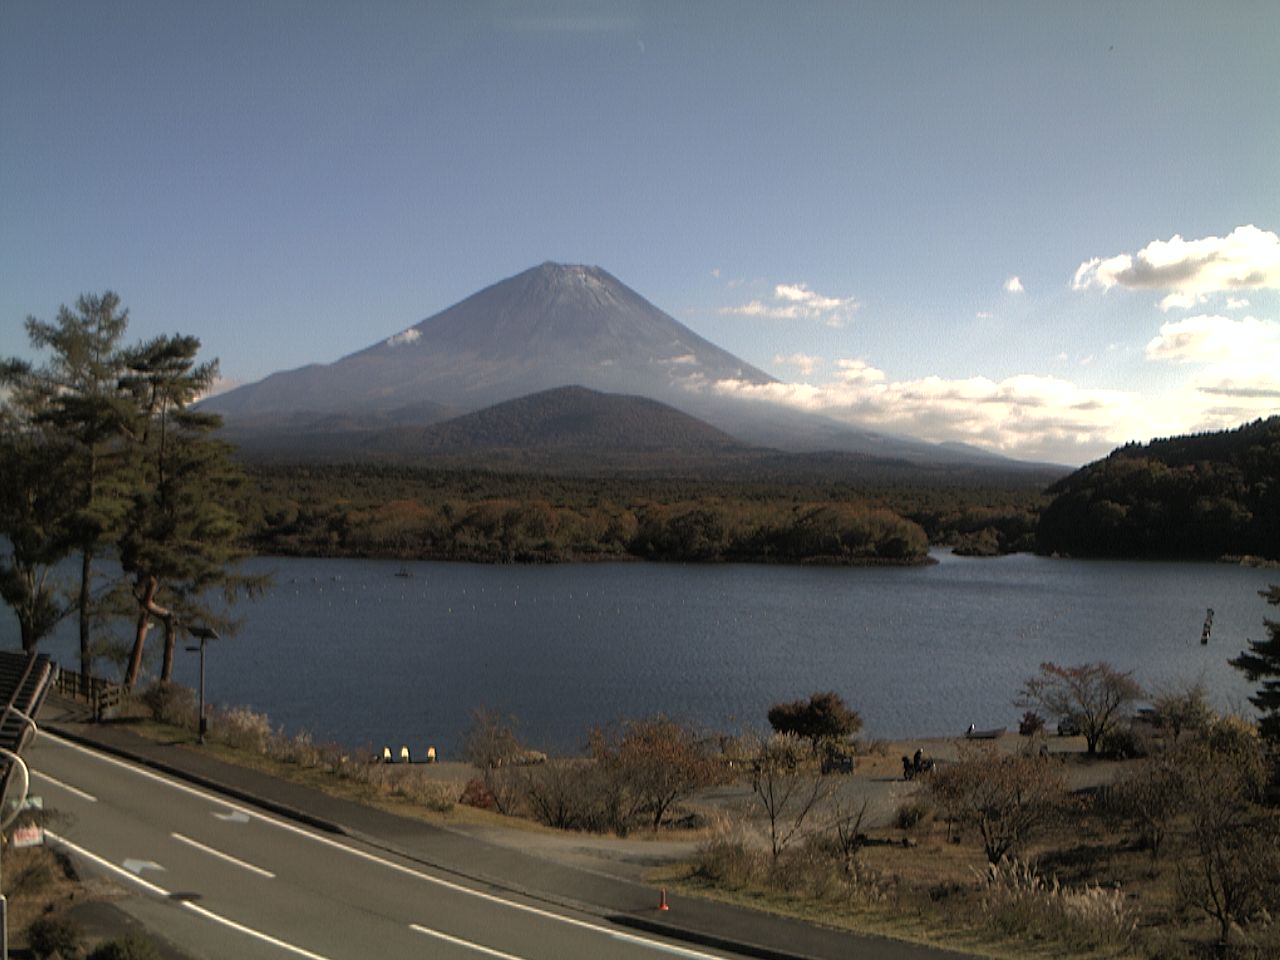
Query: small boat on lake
[992,734]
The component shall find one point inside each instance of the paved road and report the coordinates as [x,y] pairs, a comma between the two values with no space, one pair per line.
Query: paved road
[228,880]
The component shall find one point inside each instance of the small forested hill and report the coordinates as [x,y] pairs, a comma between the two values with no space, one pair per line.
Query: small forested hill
[569,417]
[1203,496]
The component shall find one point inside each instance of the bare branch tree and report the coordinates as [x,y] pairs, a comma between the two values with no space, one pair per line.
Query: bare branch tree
[787,790]
[1095,695]
[1008,796]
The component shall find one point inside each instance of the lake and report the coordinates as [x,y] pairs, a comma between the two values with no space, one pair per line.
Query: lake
[351,652]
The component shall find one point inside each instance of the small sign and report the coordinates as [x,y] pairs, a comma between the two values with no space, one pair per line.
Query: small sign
[32,836]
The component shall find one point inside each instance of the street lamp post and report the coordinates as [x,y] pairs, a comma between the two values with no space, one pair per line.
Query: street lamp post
[204,635]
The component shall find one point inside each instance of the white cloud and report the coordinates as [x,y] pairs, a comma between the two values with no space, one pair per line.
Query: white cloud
[795,301]
[219,385]
[1240,360]
[985,314]
[1247,258]
[1182,301]
[1014,285]
[858,371]
[1236,303]
[403,337]
[801,361]
[1215,339]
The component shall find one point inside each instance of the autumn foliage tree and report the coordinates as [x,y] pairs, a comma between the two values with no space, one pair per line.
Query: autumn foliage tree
[821,718]
[655,763]
[1095,695]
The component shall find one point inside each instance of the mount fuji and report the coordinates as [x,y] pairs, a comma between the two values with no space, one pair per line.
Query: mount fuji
[552,326]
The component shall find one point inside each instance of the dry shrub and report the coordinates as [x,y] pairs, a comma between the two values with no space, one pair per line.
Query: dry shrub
[816,869]
[573,795]
[476,794]
[243,729]
[1017,902]
[436,796]
[299,749]
[31,876]
[131,947]
[911,814]
[727,861]
[54,935]
[171,703]
[819,869]
[405,783]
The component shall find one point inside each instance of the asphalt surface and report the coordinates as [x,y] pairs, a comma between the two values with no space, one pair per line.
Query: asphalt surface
[442,889]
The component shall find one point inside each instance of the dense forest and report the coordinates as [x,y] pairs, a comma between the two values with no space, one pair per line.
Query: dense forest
[1201,497]
[406,512]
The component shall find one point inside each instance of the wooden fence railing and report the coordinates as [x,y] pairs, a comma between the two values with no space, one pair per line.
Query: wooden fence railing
[100,694]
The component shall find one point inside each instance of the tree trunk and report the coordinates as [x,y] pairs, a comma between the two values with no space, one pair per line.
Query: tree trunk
[86,658]
[148,608]
[170,645]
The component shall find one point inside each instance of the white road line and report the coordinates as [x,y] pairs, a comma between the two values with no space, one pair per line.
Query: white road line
[65,786]
[687,954]
[466,944]
[223,856]
[194,908]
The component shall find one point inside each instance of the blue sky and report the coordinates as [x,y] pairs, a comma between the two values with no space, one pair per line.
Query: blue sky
[896,208]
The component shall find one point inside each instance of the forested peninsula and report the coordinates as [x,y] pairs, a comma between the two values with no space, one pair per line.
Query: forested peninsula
[1200,497]
[403,512]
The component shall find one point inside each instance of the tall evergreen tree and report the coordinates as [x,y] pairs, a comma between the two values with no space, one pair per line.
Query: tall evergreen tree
[180,540]
[34,508]
[85,406]
[1262,662]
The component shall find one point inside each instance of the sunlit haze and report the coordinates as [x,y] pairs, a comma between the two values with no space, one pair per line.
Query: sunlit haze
[1044,229]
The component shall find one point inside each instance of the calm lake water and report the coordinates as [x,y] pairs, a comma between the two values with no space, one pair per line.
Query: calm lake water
[351,652]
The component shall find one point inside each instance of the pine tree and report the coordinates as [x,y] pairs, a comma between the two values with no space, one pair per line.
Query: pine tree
[180,541]
[1262,662]
[33,510]
[84,405]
